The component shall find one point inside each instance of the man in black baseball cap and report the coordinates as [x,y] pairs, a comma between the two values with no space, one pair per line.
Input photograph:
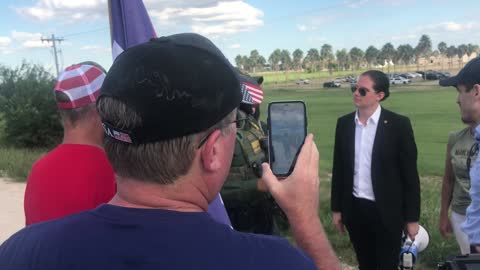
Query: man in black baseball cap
[168,107]
[467,82]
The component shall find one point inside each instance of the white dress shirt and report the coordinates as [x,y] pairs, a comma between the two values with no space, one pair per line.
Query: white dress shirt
[364,138]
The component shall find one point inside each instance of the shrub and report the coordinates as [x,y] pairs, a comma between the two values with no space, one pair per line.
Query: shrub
[28,110]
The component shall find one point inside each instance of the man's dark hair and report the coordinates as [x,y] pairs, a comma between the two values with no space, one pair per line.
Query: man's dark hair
[380,82]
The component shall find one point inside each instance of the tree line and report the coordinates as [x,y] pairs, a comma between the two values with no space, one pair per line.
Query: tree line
[325,58]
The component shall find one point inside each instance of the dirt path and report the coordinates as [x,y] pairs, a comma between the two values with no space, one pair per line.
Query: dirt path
[11,208]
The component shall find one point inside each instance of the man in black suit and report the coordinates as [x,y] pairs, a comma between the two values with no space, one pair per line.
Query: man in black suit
[375,184]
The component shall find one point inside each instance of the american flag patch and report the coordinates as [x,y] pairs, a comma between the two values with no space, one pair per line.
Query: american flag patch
[116,134]
[252,94]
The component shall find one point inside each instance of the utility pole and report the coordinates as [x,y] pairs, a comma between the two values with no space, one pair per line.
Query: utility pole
[54,41]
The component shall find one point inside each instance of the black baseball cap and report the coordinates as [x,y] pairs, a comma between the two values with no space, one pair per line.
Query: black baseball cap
[179,85]
[468,75]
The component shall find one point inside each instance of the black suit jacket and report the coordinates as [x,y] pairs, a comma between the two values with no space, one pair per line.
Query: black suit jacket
[394,172]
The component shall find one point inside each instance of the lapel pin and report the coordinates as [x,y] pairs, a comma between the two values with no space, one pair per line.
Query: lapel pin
[385,122]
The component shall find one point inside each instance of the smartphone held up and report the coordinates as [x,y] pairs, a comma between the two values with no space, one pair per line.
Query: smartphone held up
[287,129]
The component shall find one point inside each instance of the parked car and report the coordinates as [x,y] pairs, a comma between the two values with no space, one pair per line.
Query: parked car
[331,84]
[399,80]
[302,81]
[415,74]
[411,75]
[350,78]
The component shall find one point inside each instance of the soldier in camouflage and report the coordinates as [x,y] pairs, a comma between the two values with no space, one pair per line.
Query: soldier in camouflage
[249,206]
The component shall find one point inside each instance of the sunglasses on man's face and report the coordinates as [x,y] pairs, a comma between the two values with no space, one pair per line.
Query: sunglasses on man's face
[361,90]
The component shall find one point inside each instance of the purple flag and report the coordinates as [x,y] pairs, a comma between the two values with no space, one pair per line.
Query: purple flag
[130,25]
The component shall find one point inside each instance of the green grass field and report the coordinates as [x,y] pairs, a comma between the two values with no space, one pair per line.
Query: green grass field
[433,113]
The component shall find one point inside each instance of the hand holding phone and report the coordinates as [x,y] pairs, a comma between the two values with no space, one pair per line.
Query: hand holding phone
[287,129]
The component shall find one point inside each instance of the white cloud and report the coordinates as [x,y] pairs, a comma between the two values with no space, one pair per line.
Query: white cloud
[234,46]
[5,41]
[448,30]
[96,49]
[301,27]
[68,11]
[451,26]
[29,40]
[19,40]
[355,3]
[25,36]
[398,2]
[221,18]
[202,16]
[30,44]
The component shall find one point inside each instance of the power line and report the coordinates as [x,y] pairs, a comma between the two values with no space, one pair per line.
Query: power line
[54,41]
[87,32]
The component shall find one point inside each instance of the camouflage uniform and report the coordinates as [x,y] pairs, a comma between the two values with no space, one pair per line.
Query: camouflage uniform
[249,209]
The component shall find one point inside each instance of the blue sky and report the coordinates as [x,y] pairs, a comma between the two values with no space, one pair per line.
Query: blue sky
[236,27]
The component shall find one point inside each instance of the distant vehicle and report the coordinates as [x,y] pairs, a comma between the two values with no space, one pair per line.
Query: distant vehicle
[411,75]
[420,72]
[436,75]
[331,84]
[302,81]
[415,74]
[445,73]
[350,78]
[399,80]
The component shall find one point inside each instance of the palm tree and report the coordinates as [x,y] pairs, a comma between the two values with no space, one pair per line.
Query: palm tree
[388,51]
[356,55]
[286,62]
[451,52]
[371,55]
[342,59]
[312,59]
[326,56]
[297,59]
[424,48]
[239,62]
[461,51]
[470,49]
[254,56]
[405,53]
[246,63]
[274,59]
[442,48]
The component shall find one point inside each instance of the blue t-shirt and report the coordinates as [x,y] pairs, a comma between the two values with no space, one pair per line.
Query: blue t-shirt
[112,237]
[471,226]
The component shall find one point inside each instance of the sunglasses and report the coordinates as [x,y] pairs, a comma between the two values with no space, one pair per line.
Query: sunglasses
[240,123]
[473,152]
[361,90]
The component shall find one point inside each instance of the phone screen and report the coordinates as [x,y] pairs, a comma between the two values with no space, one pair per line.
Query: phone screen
[287,130]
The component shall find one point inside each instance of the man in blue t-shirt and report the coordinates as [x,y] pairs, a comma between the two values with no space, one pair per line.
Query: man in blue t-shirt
[168,108]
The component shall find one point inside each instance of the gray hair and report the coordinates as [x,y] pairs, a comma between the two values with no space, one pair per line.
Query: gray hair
[160,162]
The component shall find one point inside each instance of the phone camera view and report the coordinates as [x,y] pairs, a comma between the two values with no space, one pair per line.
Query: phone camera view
[287,134]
